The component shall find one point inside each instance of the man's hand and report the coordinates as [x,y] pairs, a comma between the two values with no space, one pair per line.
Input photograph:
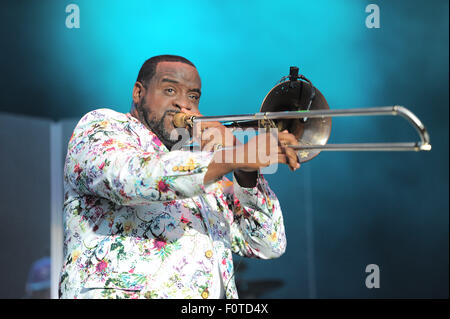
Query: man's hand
[264,150]
[291,159]
[261,151]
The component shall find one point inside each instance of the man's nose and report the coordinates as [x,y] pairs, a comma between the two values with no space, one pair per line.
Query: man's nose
[181,102]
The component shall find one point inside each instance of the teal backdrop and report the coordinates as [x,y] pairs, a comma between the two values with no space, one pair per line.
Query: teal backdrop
[343,211]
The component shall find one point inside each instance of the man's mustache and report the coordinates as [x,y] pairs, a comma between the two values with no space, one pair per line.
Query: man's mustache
[171,111]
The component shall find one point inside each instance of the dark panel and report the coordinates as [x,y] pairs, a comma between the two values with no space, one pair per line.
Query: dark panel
[25,199]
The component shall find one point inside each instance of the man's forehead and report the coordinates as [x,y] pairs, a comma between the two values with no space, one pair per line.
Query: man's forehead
[178,71]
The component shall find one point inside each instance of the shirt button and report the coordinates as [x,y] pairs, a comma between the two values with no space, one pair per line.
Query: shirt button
[205,294]
[208,254]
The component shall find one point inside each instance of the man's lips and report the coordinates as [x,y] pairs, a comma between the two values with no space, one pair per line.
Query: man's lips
[168,119]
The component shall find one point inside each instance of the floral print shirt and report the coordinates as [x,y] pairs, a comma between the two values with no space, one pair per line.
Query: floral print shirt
[137,217]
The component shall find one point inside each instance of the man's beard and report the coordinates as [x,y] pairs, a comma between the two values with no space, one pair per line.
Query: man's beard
[158,128]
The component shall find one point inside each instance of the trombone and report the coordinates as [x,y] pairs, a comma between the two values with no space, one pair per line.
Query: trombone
[301,108]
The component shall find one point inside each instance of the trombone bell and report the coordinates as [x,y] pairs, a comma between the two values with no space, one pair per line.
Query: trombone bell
[296,95]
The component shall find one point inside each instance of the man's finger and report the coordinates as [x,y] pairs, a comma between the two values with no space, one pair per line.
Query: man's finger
[292,158]
[287,139]
[281,159]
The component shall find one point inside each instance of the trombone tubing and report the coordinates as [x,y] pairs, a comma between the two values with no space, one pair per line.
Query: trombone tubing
[423,145]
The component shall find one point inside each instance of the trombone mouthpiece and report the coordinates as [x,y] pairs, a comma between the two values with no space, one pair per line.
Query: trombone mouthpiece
[183,120]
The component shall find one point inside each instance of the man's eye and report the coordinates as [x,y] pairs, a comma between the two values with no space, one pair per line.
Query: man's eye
[194,97]
[170,90]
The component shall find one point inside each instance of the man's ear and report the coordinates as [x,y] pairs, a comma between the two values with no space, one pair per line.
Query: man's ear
[138,92]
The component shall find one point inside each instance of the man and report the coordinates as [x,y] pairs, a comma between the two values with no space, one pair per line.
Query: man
[142,221]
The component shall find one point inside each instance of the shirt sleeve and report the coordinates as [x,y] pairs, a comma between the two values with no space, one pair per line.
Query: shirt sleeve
[105,159]
[258,228]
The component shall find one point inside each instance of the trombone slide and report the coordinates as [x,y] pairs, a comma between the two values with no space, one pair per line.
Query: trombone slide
[424,144]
